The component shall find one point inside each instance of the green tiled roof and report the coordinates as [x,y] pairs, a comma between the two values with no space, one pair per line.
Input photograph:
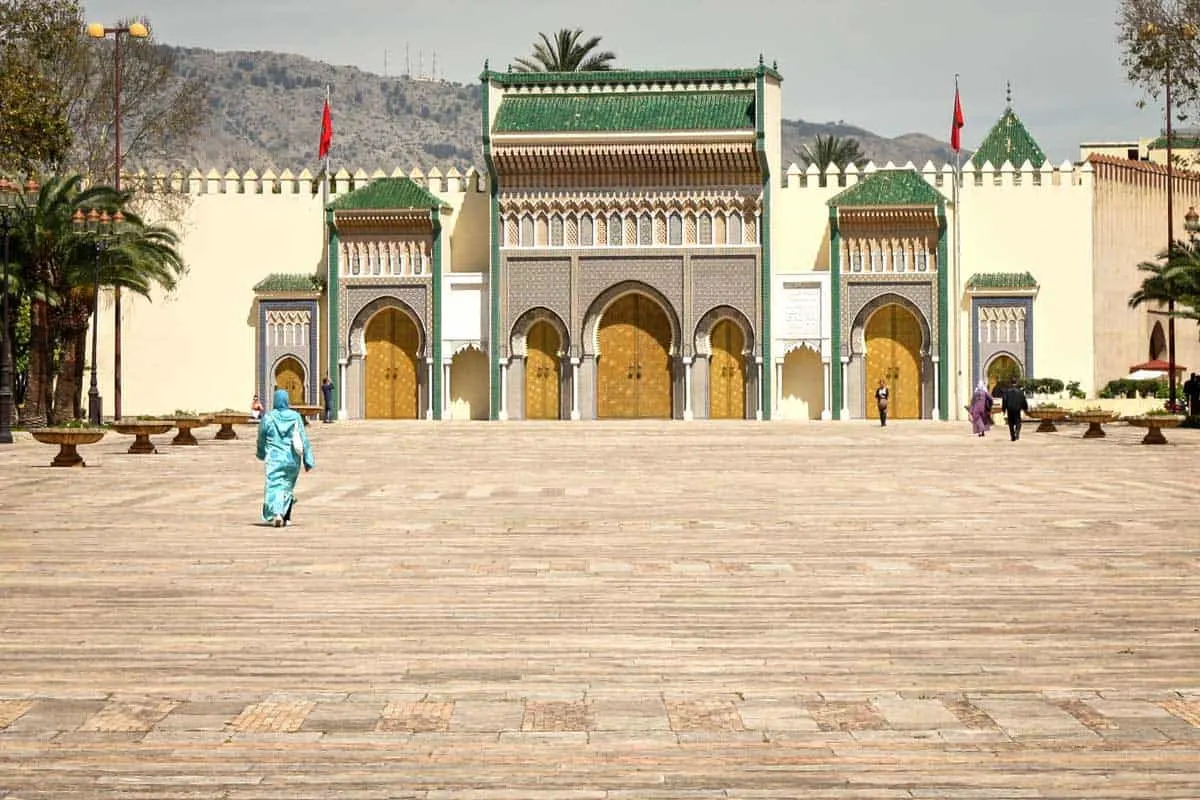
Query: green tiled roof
[584,78]
[387,194]
[1002,280]
[281,282]
[645,111]
[893,187]
[1008,140]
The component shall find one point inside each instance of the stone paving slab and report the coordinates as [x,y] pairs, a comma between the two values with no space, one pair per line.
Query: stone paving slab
[606,610]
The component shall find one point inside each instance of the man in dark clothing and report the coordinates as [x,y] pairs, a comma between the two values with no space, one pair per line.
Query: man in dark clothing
[1013,404]
[1191,390]
[327,396]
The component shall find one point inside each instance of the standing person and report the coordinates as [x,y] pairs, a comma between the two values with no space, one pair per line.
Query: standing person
[881,401]
[981,410]
[284,446]
[1013,404]
[327,397]
[1191,390]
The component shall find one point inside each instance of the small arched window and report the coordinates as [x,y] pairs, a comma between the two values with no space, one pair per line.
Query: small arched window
[615,229]
[355,261]
[733,231]
[418,261]
[675,229]
[705,229]
[645,230]
[586,231]
[526,239]
[556,231]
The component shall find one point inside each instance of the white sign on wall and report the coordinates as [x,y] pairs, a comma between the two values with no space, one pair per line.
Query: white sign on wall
[801,311]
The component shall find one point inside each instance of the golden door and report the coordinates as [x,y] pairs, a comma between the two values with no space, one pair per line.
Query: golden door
[289,375]
[633,376]
[391,366]
[727,372]
[542,372]
[893,339]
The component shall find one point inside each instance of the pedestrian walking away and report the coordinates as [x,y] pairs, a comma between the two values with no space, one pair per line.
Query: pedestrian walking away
[1191,390]
[1013,404]
[881,401]
[284,447]
[980,410]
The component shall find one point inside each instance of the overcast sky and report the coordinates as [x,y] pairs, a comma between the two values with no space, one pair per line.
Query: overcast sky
[885,65]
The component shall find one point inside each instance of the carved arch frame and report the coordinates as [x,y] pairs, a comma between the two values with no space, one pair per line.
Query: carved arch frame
[519,334]
[595,313]
[708,321]
[358,328]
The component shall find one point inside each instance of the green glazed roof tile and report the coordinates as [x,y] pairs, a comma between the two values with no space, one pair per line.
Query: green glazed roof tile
[645,111]
[898,187]
[1002,280]
[387,194]
[627,76]
[1008,140]
[281,282]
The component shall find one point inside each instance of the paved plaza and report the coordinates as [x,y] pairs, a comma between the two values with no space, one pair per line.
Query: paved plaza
[606,611]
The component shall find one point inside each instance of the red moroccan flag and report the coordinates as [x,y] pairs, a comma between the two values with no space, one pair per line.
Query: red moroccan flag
[326,131]
[956,125]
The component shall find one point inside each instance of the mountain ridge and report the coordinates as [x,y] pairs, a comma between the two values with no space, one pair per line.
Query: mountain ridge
[265,113]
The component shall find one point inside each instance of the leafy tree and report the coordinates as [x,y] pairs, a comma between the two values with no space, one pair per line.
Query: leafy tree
[1172,281]
[565,53]
[35,36]
[1159,38]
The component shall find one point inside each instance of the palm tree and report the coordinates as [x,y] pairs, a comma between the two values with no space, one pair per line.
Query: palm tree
[57,272]
[565,53]
[1173,280]
[834,150]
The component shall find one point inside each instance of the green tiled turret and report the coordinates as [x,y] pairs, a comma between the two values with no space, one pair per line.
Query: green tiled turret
[626,111]
[1002,280]
[1008,140]
[387,194]
[893,187]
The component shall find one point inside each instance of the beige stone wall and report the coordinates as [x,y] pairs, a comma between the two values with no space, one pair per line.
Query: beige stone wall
[196,349]
[1131,227]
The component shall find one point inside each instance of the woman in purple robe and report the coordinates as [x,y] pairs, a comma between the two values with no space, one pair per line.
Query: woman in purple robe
[981,410]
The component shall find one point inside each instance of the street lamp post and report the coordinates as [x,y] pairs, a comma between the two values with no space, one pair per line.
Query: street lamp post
[9,208]
[98,30]
[1166,36]
[103,229]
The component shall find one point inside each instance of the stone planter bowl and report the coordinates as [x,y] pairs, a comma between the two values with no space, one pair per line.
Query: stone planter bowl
[67,440]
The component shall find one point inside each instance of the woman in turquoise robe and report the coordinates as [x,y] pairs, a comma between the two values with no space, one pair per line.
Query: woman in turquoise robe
[275,433]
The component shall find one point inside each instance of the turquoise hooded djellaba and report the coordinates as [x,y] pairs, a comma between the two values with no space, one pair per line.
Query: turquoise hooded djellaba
[282,464]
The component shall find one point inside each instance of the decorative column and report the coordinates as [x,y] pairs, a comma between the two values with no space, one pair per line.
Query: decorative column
[778,387]
[937,414]
[574,389]
[845,412]
[827,374]
[342,364]
[758,405]
[688,416]
[503,415]
[446,391]
[429,393]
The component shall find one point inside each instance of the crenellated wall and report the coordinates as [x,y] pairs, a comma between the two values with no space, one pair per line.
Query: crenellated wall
[1079,230]
[195,349]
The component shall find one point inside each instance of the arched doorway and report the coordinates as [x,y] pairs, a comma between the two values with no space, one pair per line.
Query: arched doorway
[469,385]
[727,371]
[1002,371]
[633,371]
[893,342]
[392,340]
[1158,343]
[289,376]
[543,374]
[803,387]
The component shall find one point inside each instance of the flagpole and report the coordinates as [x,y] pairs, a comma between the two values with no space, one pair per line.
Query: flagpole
[957,265]
[325,168]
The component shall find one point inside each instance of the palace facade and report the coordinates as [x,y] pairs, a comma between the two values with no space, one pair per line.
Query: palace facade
[635,248]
